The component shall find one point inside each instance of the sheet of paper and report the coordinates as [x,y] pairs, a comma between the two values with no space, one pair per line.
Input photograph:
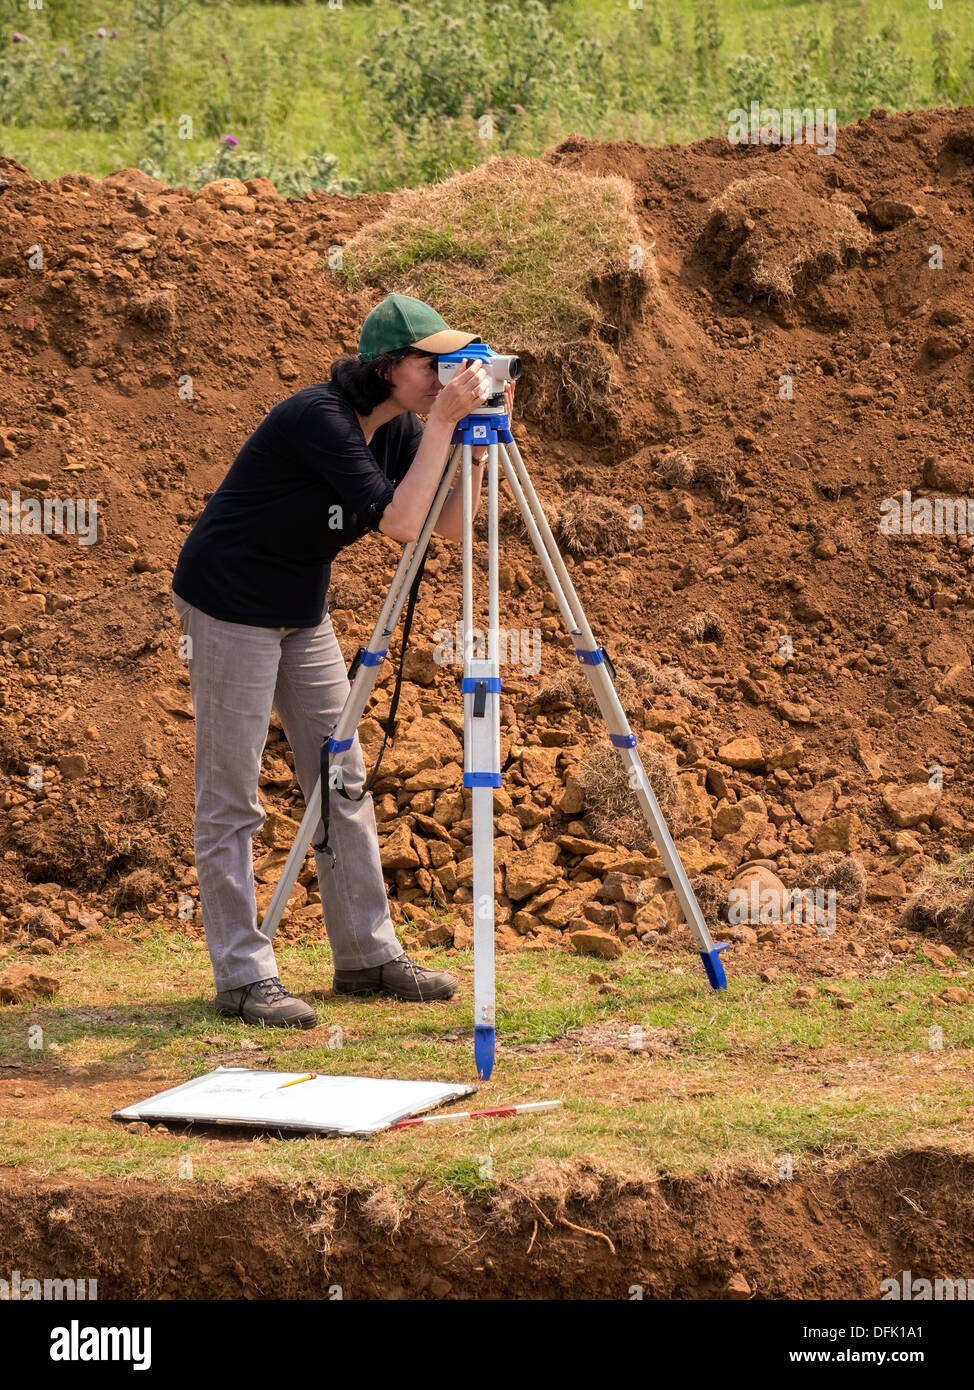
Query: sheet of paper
[355,1105]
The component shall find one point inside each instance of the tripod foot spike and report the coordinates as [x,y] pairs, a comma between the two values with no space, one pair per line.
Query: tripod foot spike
[483,1051]
[713,966]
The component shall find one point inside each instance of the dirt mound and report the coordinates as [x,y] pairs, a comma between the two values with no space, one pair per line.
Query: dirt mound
[731,529]
[499,231]
[773,240]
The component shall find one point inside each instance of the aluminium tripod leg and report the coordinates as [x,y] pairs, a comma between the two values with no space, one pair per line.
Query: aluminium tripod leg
[620,735]
[481,769]
[344,731]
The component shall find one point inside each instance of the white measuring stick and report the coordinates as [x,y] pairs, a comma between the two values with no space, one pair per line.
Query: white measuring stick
[531,1108]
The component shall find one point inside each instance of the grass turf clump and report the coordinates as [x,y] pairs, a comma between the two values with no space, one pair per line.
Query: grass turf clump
[831,870]
[637,683]
[942,904]
[678,469]
[534,258]
[613,813]
[586,524]
[707,626]
[136,890]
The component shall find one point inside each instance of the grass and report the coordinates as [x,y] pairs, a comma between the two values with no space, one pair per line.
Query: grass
[503,230]
[945,896]
[487,247]
[283,77]
[737,1080]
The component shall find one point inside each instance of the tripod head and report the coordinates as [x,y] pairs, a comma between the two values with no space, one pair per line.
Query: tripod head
[499,371]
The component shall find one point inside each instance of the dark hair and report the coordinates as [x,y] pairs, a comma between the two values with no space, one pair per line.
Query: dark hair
[363,384]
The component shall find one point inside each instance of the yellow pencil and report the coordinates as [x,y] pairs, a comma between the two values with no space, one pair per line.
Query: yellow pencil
[310,1077]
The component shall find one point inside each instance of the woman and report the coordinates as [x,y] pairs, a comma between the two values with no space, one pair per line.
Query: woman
[323,467]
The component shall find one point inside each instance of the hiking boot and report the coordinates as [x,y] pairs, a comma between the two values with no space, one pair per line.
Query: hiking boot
[267,1002]
[399,977]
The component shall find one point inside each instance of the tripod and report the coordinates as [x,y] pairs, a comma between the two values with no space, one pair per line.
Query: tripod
[481,686]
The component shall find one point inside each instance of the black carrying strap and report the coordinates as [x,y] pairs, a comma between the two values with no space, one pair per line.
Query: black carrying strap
[388,725]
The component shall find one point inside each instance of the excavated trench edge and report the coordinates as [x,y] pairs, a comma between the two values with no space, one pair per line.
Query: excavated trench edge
[833,1232]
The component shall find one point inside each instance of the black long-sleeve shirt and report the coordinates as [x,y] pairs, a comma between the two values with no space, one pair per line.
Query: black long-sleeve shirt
[303,486]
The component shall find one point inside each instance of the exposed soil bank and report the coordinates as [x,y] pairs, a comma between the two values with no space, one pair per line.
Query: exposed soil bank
[828,1234]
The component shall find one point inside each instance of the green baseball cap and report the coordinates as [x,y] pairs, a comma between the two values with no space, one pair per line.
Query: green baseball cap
[401,321]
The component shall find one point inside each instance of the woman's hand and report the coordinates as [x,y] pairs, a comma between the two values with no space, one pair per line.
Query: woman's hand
[465,392]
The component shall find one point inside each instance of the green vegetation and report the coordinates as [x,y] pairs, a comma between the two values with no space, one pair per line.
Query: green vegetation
[660,1075]
[487,247]
[364,95]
